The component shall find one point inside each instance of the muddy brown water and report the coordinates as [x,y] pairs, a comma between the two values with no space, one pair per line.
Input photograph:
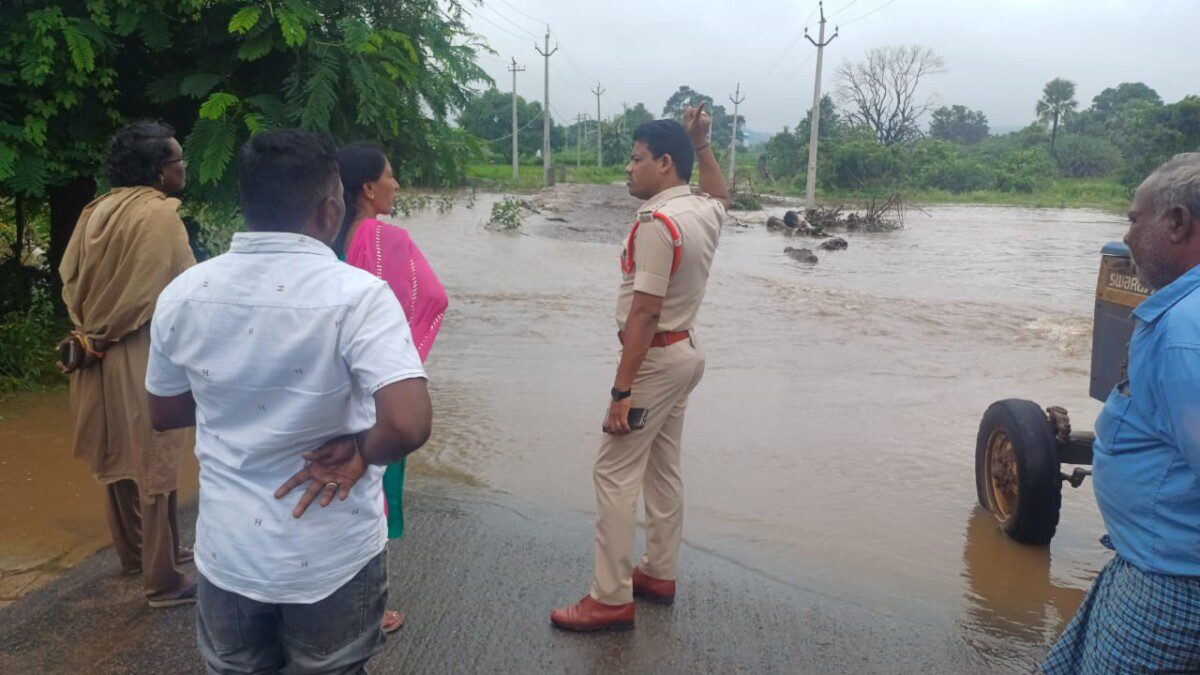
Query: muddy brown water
[831,443]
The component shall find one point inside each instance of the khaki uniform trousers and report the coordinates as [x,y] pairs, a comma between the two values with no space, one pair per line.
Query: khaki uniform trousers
[146,536]
[646,460]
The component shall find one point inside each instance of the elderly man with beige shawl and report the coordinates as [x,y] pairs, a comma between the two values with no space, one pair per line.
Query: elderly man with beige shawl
[127,246]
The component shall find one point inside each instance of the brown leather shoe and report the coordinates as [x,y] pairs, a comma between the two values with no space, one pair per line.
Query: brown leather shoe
[659,591]
[589,615]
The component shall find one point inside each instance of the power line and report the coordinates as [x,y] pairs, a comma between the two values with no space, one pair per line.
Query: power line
[571,79]
[499,27]
[792,42]
[505,137]
[528,33]
[763,75]
[881,7]
[844,8]
[534,19]
[576,66]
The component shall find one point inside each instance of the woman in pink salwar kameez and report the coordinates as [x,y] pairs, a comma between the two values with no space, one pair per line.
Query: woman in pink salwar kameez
[385,250]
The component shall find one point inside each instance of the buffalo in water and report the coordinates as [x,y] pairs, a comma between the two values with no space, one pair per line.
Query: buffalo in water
[803,255]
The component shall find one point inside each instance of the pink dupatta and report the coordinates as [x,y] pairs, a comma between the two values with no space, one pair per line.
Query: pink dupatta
[390,254]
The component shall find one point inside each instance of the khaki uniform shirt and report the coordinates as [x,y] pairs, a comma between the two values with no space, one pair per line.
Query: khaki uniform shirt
[699,219]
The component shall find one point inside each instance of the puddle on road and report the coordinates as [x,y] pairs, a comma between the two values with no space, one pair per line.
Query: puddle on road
[51,509]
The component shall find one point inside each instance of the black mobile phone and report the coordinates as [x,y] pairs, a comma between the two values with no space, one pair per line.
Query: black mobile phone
[637,418]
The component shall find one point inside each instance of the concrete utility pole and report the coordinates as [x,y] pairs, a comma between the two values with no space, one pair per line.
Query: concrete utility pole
[737,99]
[514,69]
[579,120]
[810,190]
[599,146]
[547,167]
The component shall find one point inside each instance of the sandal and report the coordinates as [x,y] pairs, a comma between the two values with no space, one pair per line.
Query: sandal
[392,621]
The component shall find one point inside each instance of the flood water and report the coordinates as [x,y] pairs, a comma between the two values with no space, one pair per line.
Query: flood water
[831,443]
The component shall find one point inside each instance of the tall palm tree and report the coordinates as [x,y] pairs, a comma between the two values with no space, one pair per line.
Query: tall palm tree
[1058,101]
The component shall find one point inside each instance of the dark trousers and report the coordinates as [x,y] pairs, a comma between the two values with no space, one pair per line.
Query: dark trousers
[146,537]
[338,634]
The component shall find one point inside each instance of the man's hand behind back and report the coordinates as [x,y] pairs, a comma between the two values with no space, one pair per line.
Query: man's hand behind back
[332,469]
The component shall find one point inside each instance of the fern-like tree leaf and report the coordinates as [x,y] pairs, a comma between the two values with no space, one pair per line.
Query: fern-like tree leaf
[217,104]
[197,85]
[82,53]
[244,20]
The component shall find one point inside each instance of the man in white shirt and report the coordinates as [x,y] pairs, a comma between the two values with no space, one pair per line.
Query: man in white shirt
[296,369]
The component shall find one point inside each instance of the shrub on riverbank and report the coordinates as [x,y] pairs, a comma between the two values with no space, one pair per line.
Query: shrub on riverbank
[28,337]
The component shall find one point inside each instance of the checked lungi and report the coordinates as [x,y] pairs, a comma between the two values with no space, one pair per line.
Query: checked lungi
[1132,621]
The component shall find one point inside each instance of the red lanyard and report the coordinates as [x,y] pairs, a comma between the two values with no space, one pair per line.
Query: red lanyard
[627,254]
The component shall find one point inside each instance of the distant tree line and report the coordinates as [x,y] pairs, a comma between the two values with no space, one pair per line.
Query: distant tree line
[488,116]
[870,136]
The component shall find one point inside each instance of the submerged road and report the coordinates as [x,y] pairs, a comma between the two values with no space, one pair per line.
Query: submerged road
[477,575]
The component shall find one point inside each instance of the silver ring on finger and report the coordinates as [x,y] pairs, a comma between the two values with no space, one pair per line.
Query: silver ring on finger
[332,485]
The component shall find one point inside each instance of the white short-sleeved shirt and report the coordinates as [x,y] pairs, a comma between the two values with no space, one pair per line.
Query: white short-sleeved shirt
[282,346]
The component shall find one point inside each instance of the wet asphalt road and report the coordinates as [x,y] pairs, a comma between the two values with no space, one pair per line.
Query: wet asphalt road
[477,575]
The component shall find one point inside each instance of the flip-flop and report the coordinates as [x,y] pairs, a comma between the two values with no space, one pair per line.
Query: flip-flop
[393,620]
[186,597]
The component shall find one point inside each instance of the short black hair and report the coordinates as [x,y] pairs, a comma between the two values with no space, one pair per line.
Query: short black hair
[283,175]
[667,137]
[137,152]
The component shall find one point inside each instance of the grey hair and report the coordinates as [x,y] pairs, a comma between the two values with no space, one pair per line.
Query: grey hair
[1175,183]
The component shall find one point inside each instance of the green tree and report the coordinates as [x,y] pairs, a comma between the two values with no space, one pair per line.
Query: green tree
[636,116]
[1110,105]
[958,124]
[684,97]
[783,155]
[863,162]
[1149,135]
[72,71]
[722,121]
[831,129]
[1058,101]
[489,117]
[1082,156]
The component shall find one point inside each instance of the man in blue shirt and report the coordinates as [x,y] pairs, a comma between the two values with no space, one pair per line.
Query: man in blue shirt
[1143,613]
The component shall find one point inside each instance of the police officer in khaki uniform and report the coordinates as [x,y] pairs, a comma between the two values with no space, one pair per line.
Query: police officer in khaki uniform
[664,267]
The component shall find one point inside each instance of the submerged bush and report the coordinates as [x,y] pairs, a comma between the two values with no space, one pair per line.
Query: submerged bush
[506,214]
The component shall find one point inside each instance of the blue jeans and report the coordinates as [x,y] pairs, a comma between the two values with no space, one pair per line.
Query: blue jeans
[338,634]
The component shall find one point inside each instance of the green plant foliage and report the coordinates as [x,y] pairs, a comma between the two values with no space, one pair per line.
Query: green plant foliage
[488,115]
[29,337]
[722,120]
[506,214]
[865,163]
[958,124]
[1086,156]
[1057,103]
[73,71]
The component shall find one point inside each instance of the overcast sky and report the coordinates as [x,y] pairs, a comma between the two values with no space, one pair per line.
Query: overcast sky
[998,53]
